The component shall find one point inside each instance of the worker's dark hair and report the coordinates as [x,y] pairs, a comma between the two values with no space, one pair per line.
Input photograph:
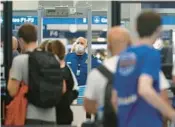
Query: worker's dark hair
[57,48]
[147,23]
[28,33]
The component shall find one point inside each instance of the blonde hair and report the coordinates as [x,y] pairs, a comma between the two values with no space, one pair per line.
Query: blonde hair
[57,48]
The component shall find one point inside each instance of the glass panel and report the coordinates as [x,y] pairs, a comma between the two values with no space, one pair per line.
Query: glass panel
[166,10]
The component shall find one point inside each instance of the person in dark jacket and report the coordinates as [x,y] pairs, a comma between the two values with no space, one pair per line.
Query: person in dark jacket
[64,113]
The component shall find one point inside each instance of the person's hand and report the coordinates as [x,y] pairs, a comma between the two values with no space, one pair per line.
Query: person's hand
[73,47]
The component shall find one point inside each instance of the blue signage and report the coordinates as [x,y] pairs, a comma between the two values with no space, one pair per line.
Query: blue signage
[66,34]
[22,19]
[18,20]
[51,33]
[99,20]
[95,20]
[168,20]
[63,21]
[158,5]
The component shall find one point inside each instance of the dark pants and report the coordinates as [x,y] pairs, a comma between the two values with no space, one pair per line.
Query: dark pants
[39,123]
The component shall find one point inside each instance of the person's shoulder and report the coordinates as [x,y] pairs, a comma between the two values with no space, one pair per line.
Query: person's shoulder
[21,58]
[95,75]
[71,54]
[150,51]
[111,63]
[144,50]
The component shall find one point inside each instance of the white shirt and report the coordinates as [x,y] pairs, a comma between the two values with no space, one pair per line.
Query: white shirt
[96,82]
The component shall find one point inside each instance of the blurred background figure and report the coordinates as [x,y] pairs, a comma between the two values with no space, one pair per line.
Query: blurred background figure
[77,60]
[14,47]
[101,54]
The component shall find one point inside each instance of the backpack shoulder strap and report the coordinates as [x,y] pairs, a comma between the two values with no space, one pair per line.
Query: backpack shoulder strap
[108,91]
[106,73]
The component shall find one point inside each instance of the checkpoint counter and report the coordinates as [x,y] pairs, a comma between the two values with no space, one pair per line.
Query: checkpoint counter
[79,113]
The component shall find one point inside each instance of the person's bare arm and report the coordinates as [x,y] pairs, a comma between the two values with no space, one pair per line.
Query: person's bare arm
[90,106]
[15,77]
[13,87]
[164,96]
[146,91]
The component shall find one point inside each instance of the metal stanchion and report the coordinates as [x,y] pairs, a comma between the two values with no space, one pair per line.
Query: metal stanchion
[40,24]
[89,38]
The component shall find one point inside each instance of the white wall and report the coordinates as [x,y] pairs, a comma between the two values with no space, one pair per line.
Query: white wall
[96,5]
[25,5]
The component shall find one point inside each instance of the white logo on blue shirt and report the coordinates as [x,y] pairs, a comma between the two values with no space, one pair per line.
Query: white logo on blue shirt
[127,63]
[127,100]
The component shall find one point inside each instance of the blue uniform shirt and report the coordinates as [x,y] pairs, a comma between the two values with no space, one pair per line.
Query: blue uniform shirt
[133,110]
[79,66]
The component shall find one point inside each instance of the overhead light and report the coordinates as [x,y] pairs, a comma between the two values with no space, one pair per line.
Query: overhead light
[73,28]
[100,39]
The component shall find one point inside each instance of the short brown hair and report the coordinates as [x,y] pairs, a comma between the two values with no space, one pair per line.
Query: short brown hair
[57,48]
[147,23]
[28,33]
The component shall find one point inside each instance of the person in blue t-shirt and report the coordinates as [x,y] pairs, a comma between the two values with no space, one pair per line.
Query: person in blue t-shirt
[136,85]
[78,60]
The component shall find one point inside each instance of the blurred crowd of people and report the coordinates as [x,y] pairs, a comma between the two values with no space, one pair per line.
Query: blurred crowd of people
[126,90]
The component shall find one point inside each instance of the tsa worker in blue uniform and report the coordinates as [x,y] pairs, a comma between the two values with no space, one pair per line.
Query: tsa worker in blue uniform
[136,82]
[78,60]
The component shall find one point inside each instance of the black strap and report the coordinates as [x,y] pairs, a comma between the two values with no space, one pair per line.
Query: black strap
[106,73]
[109,116]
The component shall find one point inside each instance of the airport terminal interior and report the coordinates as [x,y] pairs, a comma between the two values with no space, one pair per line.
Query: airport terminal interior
[67,21]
